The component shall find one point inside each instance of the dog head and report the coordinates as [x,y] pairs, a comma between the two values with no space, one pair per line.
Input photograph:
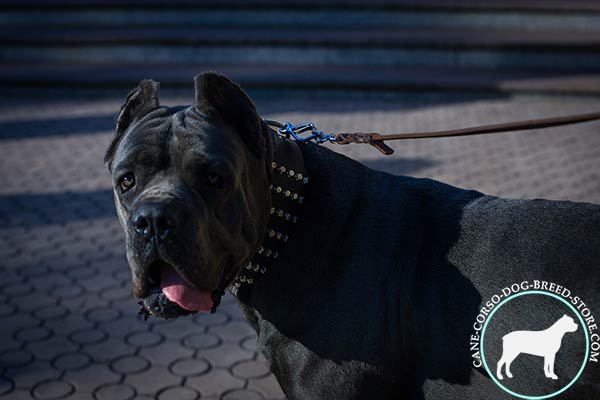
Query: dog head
[191,189]
[568,323]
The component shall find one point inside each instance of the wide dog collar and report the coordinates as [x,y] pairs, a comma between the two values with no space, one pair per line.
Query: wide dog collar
[288,188]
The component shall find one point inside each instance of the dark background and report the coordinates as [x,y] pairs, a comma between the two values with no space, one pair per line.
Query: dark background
[377,47]
[69,328]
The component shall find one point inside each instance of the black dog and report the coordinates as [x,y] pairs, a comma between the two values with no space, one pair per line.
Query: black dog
[359,284]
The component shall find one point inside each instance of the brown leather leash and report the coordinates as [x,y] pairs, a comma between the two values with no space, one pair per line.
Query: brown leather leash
[377,140]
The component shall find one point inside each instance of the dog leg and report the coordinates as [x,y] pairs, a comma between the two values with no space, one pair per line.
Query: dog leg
[546,367]
[506,359]
[499,368]
[508,362]
[550,362]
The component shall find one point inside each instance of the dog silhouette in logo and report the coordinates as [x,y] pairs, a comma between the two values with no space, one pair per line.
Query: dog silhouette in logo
[539,343]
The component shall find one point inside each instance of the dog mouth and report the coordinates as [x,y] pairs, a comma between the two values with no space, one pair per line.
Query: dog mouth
[171,295]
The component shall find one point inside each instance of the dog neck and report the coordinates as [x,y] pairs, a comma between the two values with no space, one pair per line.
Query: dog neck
[288,187]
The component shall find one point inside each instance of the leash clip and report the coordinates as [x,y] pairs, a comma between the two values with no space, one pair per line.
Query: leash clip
[288,130]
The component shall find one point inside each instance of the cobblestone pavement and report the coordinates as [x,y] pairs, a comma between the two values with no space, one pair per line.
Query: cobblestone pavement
[68,326]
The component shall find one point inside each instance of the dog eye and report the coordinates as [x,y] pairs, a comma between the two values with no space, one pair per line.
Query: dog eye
[126,182]
[214,179]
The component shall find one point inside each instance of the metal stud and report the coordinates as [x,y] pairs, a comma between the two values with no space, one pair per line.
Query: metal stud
[250,281]
[268,253]
[279,235]
[256,268]
[286,192]
[282,169]
[280,213]
[260,250]
[271,233]
[272,210]
[273,165]
[243,278]
[288,216]
[291,173]
[299,177]
[249,266]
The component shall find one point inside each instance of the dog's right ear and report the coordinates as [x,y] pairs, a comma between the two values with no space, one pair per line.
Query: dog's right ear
[140,101]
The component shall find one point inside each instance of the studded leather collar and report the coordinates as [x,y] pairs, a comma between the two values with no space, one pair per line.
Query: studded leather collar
[288,188]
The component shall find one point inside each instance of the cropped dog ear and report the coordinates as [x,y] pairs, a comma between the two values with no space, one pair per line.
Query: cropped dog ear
[218,93]
[140,101]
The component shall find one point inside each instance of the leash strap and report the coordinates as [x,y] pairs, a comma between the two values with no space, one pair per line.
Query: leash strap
[377,140]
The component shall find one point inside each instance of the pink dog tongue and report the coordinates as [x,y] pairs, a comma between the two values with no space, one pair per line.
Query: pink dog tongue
[178,291]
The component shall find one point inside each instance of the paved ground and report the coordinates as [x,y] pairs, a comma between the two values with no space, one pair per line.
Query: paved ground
[68,326]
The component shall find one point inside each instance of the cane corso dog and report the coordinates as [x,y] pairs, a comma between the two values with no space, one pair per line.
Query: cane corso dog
[359,284]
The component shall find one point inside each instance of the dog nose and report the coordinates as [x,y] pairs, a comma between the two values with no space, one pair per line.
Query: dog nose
[154,219]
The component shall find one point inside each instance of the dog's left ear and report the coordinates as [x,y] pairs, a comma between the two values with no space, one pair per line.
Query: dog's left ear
[215,92]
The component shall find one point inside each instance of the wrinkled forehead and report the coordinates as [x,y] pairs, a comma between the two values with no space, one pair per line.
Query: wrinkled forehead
[182,131]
